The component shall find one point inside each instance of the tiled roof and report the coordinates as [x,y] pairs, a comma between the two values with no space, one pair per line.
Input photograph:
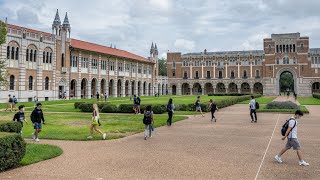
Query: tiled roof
[28,30]
[105,50]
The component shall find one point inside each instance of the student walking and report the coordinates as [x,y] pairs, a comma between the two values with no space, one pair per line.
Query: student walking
[98,96]
[138,105]
[95,122]
[252,107]
[292,139]
[148,121]
[35,101]
[10,103]
[20,117]
[170,109]
[213,108]
[15,102]
[198,106]
[36,118]
[135,105]
[105,96]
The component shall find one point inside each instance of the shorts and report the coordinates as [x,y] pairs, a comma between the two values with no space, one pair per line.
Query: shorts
[37,125]
[198,108]
[138,106]
[95,122]
[135,106]
[293,142]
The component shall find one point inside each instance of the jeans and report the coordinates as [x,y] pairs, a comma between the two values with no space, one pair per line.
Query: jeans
[169,121]
[212,114]
[147,127]
[253,111]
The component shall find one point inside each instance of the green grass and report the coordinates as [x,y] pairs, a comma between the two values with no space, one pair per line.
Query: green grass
[75,126]
[308,101]
[263,109]
[40,152]
[261,100]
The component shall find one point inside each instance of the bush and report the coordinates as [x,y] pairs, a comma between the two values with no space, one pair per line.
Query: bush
[125,108]
[77,104]
[227,94]
[282,105]
[10,127]
[159,109]
[86,107]
[316,95]
[12,150]
[109,108]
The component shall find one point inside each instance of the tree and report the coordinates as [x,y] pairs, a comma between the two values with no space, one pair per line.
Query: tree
[162,67]
[286,82]
[3,72]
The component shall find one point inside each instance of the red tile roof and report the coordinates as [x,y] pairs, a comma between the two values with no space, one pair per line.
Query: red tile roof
[28,30]
[105,50]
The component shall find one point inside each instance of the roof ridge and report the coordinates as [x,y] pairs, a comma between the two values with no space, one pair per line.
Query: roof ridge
[21,27]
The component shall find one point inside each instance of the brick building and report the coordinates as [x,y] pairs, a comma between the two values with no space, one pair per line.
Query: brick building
[48,65]
[256,71]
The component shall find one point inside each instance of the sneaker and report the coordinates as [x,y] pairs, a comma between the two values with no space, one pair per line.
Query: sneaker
[255,121]
[252,121]
[278,159]
[37,140]
[104,135]
[303,163]
[202,115]
[145,138]
[89,137]
[33,136]
[215,120]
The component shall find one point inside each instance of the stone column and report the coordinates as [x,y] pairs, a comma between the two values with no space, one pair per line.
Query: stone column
[90,77]
[130,89]
[123,88]
[238,70]
[201,70]
[214,70]
[191,72]
[115,89]
[250,69]
[226,70]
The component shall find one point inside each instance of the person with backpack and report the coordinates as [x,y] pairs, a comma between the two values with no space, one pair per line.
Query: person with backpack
[95,122]
[253,106]
[36,118]
[198,106]
[170,110]
[15,102]
[35,101]
[135,106]
[138,105]
[10,103]
[290,132]
[213,108]
[20,117]
[148,121]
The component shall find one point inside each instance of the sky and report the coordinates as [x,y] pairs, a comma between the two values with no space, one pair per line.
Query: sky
[175,25]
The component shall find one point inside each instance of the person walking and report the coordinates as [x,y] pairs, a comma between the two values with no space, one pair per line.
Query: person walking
[148,121]
[170,109]
[105,96]
[135,105]
[252,108]
[213,108]
[15,102]
[35,101]
[20,117]
[95,122]
[198,106]
[98,96]
[138,105]
[10,103]
[36,118]
[292,139]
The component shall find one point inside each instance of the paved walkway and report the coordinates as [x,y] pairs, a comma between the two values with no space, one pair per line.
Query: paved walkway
[232,148]
[285,98]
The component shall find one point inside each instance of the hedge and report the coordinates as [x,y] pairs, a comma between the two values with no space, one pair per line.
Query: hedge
[12,145]
[316,95]
[227,94]
[282,105]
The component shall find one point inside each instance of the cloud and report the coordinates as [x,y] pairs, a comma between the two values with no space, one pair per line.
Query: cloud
[254,42]
[184,44]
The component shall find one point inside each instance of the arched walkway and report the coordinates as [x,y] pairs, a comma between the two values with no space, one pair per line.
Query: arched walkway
[221,88]
[119,88]
[111,84]
[289,84]
[185,89]
[84,85]
[233,88]
[208,88]
[102,86]
[73,85]
[127,88]
[174,90]
[93,87]
[139,88]
[159,88]
[149,89]
[258,88]
[245,88]
[197,90]
[144,88]
[132,88]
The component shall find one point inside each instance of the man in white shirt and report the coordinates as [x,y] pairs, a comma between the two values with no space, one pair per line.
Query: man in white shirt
[292,142]
[252,107]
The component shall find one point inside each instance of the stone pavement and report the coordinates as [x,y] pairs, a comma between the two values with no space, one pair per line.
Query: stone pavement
[232,148]
[285,98]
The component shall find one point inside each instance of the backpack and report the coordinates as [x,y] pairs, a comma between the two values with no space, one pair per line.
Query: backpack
[147,118]
[169,108]
[15,100]
[213,106]
[10,100]
[285,127]
[257,105]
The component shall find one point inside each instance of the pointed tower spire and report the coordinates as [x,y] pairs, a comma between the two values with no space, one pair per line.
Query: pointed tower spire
[56,20]
[151,49]
[155,49]
[66,23]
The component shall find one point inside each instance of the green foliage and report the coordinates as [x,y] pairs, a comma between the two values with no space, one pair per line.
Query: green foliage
[3,32]
[286,82]
[162,67]
[316,95]
[11,126]
[109,108]
[159,109]
[86,107]
[77,104]
[12,150]
[227,94]
[125,108]
[3,71]
[308,101]
[264,109]
[282,105]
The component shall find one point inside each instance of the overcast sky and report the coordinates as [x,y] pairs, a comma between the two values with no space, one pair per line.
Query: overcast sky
[175,25]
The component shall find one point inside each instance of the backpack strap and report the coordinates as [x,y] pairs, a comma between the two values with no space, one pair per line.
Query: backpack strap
[295,122]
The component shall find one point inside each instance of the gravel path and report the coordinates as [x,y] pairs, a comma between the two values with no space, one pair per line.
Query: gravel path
[232,148]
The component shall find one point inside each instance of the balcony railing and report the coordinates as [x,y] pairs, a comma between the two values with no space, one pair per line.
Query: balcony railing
[245,77]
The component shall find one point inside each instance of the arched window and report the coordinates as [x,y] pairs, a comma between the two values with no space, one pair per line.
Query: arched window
[17,53]
[31,55]
[257,73]
[46,84]
[35,56]
[50,60]
[8,52]
[284,60]
[12,82]
[294,48]
[277,48]
[44,57]
[232,74]
[62,60]
[290,47]
[244,74]
[27,55]
[30,83]
[220,74]
[12,53]
[278,61]
[47,58]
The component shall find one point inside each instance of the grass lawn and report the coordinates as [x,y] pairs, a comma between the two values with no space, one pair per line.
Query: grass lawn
[261,100]
[308,101]
[263,109]
[75,126]
[40,152]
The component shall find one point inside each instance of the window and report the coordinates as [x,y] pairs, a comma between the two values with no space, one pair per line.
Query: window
[257,74]
[139,69]
[27,55]
[173,73]
[94,63]
[111,66]
[185,75]
[278,61]
[62,60]
[290,47]
[294,48]
[31,55]
[144,70]
[44,57]
[17,53]
[74,61]
[197,75]
[8,52]
[127,66]
[173,65]
[207,63]
[133,68]
[232,74]
[47,57]
[244,74]
[277,49]
[220,74]
[284,60]
[35,56]
[50,60]
[30,83]
[208,74]
[46,84]
[12,82]
[12,53]
[301,45]
[104,65]
[120,67]
[294,60]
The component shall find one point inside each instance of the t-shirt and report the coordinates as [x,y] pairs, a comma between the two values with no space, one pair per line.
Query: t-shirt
[134,100]
[252,104]
[19,116]
[213,106]
[294,132]
[198,104]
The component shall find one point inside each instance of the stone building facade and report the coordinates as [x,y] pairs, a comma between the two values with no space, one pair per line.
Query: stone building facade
[256,71]
[48,65]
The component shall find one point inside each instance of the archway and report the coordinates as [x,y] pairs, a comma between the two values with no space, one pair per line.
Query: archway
[139,88]
[185,89]
[119,88]
[258,88]
[84,88]
[286,82]
[174,90]
[144,88]
[73,85]
[197,90]
[221,88]
[316,87]
[159,89]
[127,88]
[208,88]
[132,88]
[233,88]
[103,86]
[93,87]
[149,90]
[163,93]
[245,88]
[166,89]
[111,84]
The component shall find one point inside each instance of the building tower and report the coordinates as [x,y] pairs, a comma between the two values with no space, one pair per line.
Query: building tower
[155,51]
[151,50]
[56,24]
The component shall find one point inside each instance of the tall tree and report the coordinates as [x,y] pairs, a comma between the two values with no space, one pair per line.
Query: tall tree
[3,71]
[162,67]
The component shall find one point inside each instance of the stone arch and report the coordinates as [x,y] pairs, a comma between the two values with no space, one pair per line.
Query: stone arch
[162,92]
[103,86]
[185,89]
[73,88]
[32,46]
[174,90]
[94,84]
[258,88]
[315,88]
[144,88]
[221,88]
[84,85]
[159,89]
[197,89]
[149,89]
[279,73]
[139,88]
[233,88]
[133,83]
[111,87]
[245,88]
[208,88]
[126,89]
[119,88]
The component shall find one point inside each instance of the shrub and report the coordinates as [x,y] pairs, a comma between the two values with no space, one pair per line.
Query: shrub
[227,94]
[282,105]
[180,107]
[109,108]
[77,104]
[10,127]
[125,108]
[86,107]
[159,109]
[12,150]
[316,95]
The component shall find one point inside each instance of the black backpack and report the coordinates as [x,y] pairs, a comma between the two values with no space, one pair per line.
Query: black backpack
[147,119]
[285,126]
[257,105]
[169,108]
